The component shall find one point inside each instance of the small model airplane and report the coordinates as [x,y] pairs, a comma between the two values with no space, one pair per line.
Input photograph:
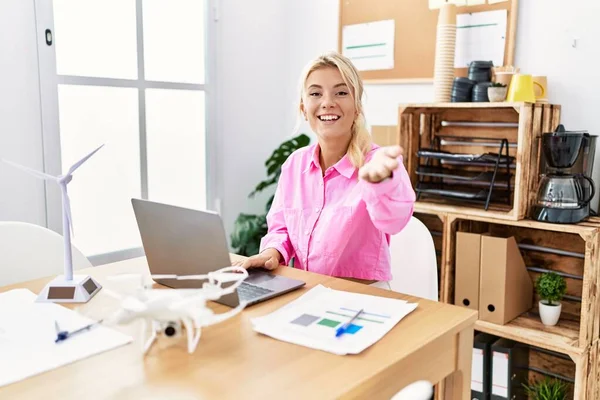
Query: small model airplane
[167,310]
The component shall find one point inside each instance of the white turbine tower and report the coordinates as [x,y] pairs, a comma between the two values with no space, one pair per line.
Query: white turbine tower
[66,288]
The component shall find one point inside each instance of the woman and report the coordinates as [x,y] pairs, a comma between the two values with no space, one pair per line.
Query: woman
[337,202]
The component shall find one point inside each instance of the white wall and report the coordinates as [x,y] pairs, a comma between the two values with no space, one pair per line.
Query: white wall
[21,196]
[251,83]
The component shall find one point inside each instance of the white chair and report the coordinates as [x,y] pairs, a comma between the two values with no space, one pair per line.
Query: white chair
[29,251]
[420,390]
[414,272]
[414,262]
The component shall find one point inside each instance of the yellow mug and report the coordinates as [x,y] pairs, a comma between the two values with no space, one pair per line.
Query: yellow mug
[521,89]
[541,95]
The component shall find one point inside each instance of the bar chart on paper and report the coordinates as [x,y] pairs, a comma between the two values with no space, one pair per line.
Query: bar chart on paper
[322,325]
[312,320]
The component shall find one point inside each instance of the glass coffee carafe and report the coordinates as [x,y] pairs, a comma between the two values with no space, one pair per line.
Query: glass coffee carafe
[565,190]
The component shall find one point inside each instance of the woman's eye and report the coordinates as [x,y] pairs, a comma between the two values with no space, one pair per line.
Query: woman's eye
[315,94]
[343,93]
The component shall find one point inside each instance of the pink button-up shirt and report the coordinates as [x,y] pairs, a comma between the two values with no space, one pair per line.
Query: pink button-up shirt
[336,224]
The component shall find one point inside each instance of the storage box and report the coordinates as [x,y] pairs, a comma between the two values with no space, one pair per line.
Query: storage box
[505,288]
[491,277]
[511,129]
[468,259]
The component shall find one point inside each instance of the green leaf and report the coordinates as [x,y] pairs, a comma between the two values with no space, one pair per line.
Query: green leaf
[551,287]
[247,232]
[263,185]
[269,203]
[547,389]
[276,160]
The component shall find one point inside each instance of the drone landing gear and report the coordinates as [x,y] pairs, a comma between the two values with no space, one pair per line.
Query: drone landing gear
[193,334]
[148,343]
[171,330]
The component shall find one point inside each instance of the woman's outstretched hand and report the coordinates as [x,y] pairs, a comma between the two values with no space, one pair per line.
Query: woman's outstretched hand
[382,164]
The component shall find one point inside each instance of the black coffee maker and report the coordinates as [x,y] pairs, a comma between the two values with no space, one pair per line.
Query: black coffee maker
[565,188]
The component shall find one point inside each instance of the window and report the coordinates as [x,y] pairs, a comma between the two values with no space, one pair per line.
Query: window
[131,74]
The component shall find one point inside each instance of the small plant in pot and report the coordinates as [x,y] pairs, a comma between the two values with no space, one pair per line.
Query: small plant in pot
[551,288]
[546,389]
[497,92]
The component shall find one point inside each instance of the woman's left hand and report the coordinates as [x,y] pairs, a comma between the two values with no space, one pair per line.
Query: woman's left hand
[382,164]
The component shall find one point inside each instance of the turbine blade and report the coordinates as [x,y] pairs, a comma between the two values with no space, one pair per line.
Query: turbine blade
[84,159]
[32,171]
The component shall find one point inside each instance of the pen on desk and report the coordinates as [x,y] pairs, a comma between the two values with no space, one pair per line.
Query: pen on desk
[342,329]
[64,335]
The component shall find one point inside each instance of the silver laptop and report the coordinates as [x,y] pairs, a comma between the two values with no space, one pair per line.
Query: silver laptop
[183,241]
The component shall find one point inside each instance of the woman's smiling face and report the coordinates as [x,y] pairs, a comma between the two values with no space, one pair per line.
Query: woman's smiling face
[328,104]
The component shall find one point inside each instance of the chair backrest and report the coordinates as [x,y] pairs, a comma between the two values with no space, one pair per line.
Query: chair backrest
[414,261]
[29,251]
[420,390]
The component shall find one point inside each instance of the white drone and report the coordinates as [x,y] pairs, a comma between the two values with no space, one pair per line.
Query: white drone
[167,310]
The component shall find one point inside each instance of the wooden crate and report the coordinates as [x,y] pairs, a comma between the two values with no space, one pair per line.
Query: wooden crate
[579,326]
[521,124]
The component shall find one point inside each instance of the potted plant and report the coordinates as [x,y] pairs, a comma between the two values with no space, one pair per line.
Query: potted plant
[249,229]
[551,288]
[547,389]
[497,92]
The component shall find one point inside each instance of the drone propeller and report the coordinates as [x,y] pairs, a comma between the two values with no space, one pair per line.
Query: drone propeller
[133,304]
[112,293]
[223,275]
[143,279]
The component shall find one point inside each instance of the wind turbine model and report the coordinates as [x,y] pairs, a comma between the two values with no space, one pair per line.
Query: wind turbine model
[66,288]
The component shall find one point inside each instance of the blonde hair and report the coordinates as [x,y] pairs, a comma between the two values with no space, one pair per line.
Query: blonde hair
[360,141]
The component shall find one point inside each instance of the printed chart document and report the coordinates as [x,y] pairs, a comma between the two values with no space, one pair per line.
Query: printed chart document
[480,36]
[370,46]
[27,334]
[312,320]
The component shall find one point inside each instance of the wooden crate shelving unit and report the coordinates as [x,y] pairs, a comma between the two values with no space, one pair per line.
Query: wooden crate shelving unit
[579,326]
[577,335]
[419,125]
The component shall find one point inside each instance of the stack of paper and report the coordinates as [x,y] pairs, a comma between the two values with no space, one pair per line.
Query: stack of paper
[27,334]
[312,320]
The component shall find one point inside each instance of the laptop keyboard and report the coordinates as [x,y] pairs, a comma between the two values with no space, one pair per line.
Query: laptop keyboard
[247,291]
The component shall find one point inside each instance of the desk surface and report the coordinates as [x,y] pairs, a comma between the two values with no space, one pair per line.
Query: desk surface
[233,361]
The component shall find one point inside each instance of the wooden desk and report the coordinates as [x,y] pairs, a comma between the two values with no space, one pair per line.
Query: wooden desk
[234,362]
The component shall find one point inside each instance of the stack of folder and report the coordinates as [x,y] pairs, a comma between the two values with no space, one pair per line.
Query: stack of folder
[499,369]
[491,277]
